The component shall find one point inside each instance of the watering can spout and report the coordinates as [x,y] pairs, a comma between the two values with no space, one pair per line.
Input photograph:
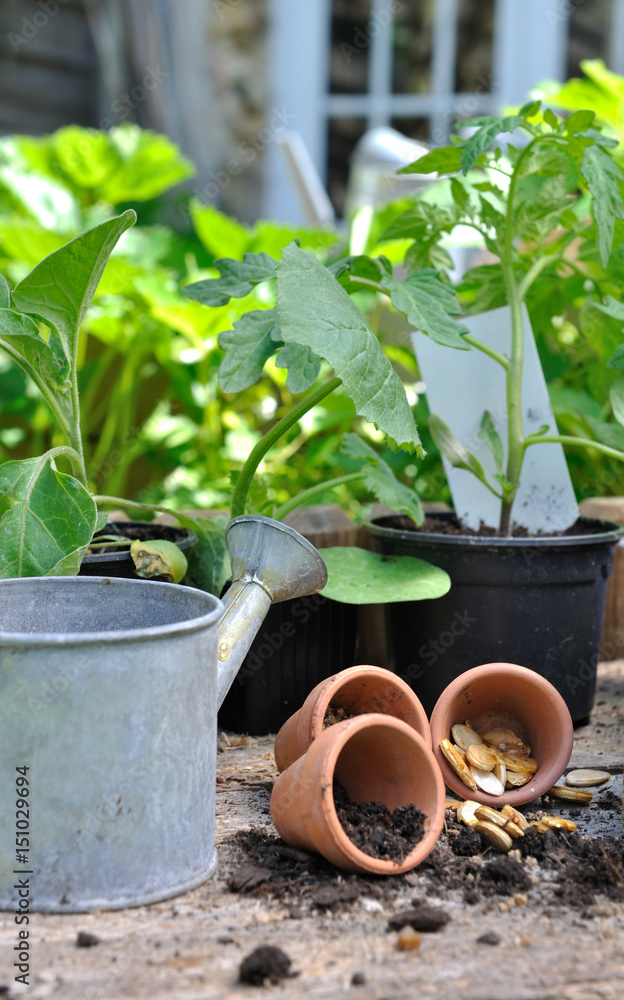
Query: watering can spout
[270,563]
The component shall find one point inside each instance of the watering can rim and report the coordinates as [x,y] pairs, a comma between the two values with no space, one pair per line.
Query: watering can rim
[33,639]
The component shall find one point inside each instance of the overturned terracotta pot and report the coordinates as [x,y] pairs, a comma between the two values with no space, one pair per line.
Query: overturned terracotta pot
[355,691]
[376,758]
[512,697]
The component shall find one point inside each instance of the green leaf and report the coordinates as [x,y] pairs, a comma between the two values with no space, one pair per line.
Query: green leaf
[428,254]
[617,399]
[150,165]
[86,155]
[488,129]
[208,561]
[445,160]
[380,479]
[490,436]
[551,119]
[5,293]
[19,333]
[603,178]
[238,278]
[460,195]
[47,522]
[247,349]
[421,221]
[303,366]
[429,305]
[219,233]
[453,451]
[356,576]
[617,358]
[579,121]
[611,307]
[484,288]
[60,289]
[47,201]
[316,312]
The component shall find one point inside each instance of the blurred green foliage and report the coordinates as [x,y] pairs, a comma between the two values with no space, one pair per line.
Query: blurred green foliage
[155,426]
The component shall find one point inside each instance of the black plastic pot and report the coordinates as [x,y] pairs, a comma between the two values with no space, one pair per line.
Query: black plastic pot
[300,643]
[120,564]
[534,601]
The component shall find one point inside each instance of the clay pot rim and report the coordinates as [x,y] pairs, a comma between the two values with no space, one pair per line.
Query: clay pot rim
[546,776]
[334,683]
[340,733]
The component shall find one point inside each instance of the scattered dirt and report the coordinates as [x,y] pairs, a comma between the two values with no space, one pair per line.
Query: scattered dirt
[376,831]
[554,869]
[422,918]
[85,939]
[448,524]
[609,800]
[334,715]
[266,964]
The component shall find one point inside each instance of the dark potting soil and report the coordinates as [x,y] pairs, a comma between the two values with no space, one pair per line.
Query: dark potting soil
[144,532]
[573,869]
[375,830]
[451,525]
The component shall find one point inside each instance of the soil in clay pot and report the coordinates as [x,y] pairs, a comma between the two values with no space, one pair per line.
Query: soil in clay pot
[375,830]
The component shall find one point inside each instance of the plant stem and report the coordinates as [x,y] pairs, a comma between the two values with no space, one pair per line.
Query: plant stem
[575,442]
[239,497]
[314,491]
[515,428]
[480,346]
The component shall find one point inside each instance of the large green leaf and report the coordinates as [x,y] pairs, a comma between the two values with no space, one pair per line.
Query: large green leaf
[45,200]
[238,278]
[47,520]
[60,289]
[219,233]
[316,312]
[380,479]
[356,576]
[429,305]
[603,176]
[247,349]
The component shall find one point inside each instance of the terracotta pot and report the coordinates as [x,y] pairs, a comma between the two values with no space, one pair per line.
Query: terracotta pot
[507,695]
[358,690]
[377,759]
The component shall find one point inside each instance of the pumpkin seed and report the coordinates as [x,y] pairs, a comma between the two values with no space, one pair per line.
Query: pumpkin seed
[489,815]
[495,836]
[569,794]
[481,757]
[457,762]
[466,812]
[515,816]
[516,779]
[487,781]
[502,739]
[464,736]
[558,823]
[585,776]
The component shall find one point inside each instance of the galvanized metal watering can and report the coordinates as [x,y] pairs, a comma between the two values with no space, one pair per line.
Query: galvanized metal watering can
[109,691]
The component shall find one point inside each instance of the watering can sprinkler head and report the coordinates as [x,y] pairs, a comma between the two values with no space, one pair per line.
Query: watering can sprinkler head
[270,563]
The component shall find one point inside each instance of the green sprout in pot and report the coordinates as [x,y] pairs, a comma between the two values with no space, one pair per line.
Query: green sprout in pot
[547,206]
[47,516]
[313,321]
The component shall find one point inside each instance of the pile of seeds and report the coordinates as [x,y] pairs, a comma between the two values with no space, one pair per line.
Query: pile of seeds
[491,761]
[501,827]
